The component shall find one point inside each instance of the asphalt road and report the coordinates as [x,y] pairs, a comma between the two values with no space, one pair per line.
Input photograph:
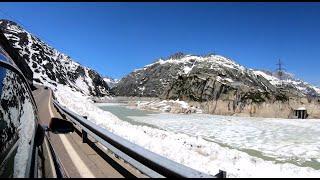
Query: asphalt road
[80,159]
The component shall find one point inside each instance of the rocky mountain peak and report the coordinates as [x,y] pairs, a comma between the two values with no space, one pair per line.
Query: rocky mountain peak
[177,55]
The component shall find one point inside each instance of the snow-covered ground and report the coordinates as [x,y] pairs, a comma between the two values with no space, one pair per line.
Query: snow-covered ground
[193,150]
[172,106]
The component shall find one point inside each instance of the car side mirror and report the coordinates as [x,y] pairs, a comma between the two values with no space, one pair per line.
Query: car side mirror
[60,126]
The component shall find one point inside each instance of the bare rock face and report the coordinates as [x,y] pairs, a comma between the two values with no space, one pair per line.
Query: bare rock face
[45,65]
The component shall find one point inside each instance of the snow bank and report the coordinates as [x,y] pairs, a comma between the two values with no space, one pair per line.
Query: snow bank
[194,152]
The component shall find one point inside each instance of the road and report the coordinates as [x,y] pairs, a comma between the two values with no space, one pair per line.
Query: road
[80,159]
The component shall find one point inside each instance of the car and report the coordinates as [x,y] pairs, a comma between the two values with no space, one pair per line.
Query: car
[25,148]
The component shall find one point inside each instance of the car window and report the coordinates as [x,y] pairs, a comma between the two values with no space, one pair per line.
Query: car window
[2,55]
[17,125]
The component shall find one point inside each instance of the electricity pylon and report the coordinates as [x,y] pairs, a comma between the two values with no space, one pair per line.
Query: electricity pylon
[280,70]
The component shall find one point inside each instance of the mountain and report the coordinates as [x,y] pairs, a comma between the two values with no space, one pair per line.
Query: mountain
[158,78]
[110,81]
[218,84]
[42,64]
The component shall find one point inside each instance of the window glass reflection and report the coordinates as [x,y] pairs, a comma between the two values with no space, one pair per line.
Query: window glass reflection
[17,125]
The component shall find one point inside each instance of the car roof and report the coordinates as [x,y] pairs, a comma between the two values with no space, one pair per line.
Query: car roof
[7,52]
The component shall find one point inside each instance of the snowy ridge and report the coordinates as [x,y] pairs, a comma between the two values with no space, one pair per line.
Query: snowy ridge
[48,66]
[289,79]
[110,81]
[216,61]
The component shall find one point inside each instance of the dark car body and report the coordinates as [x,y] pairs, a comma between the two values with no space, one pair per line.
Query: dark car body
[25,149]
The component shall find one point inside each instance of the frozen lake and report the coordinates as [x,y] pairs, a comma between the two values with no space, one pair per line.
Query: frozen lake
[292,141]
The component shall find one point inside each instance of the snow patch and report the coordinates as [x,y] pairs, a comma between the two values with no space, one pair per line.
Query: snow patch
[111,82]
[82,85]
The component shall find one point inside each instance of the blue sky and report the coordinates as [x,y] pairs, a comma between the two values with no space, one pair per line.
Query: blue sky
[116,38]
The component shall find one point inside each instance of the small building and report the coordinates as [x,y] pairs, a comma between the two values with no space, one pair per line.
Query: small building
[301,113]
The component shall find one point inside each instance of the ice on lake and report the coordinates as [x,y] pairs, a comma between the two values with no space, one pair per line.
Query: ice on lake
[288,140]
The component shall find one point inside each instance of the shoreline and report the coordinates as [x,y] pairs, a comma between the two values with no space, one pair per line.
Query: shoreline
[153,104]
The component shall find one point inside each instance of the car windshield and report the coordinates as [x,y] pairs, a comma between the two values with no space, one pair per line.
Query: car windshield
[159,90]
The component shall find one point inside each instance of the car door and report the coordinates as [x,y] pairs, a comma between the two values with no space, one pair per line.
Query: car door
[18,122]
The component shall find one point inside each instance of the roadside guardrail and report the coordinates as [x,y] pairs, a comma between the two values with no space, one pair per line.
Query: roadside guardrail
[149,163]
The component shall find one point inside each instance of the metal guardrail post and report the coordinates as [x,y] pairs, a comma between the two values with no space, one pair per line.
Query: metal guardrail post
[84,136]
[84,133]
[221,174]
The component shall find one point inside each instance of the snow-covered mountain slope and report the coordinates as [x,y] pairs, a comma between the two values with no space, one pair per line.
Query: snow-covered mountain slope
[45,65]
[289,79]
[153,78]
[110,81]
